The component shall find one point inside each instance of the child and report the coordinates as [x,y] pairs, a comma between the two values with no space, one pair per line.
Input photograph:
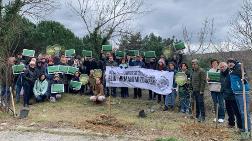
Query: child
[98,92]
[55,96]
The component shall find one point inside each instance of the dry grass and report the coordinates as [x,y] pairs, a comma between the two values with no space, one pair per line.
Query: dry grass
[76,111]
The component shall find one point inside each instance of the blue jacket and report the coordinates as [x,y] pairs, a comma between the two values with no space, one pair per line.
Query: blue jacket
[235,78]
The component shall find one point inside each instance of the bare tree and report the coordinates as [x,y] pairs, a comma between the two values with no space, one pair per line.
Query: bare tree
[108,18]
[11,22]
[241,30]
[204,38]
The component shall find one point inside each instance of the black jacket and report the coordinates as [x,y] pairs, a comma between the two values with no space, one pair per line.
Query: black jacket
[226,85]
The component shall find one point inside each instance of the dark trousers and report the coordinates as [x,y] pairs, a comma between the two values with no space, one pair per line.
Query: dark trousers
[27,94]
[111,90]
[233,113]
[152,95]
[41,98]
[200,106]
[159,98]
[137,93]
[124,92]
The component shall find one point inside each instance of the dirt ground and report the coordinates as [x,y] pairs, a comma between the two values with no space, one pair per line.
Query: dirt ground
[92,122]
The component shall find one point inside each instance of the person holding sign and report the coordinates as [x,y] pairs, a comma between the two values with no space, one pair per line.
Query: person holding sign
[111,62]
[229,97]
[124,90]
[138,62]
[75,78]
[40,88]
[98,92]
[184,96]
[198,81]
[170,99]
[161,66]
[239,85]
[214,87]
[54,96]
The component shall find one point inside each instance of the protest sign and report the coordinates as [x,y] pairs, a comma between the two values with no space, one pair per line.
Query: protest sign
[158,81]
[75,85]
[57,88]
[28,53]
[17,69]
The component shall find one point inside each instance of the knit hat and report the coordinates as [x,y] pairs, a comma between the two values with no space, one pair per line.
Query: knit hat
[161,61]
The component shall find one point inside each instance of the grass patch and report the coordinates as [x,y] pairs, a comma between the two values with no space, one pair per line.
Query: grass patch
[75,111]
[168,139]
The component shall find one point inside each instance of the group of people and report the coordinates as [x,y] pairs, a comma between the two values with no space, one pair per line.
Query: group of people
[36,82]
[227,94]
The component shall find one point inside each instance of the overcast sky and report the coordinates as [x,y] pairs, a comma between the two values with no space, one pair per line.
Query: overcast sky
[168,17]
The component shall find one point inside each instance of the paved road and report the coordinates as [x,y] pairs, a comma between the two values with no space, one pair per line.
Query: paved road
[41,136]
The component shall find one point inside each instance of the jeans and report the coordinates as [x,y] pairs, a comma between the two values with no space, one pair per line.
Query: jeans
[184,99]
[218,98]
[18,90]
[233,112]
[200,106]
[170,99]
[5,95]
[240,104]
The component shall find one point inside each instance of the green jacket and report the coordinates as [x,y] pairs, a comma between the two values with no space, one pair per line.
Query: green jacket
[40,87]
[198,80]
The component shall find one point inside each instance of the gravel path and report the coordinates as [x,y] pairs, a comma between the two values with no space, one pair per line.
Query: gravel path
[41,136]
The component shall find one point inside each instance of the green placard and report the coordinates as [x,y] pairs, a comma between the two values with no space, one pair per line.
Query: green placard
[120,53]
[75,85]
[50,50]
[179,46]
[53,69]
[150,54]
[133,53]
[70,53]
[87,53]
[17,69]
[57,88]
[180,78]
[97,73]
[213,76]
[63,69]
[28,53]
[107,48]
[167,52]
[84,79]
[72,70]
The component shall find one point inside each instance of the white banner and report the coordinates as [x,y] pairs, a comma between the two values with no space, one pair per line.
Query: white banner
[158,81]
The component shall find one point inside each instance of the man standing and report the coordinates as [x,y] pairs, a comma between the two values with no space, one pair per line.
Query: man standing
[140,64]
[229,97]
[237,87]
[217,96]
[198,82]
[111,63]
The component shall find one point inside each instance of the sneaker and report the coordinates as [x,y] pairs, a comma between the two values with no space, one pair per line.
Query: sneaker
[214,120]
[220,120]
[58,96]
[52,99]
